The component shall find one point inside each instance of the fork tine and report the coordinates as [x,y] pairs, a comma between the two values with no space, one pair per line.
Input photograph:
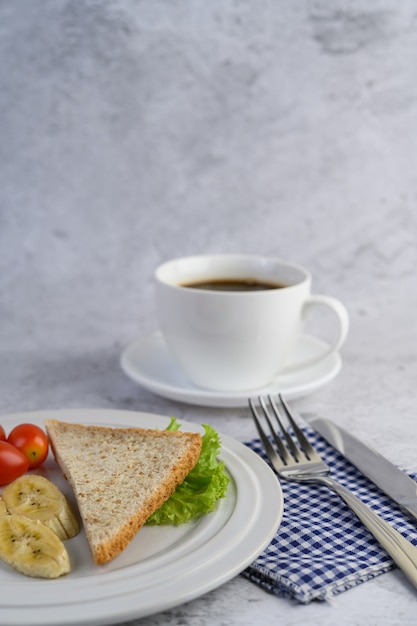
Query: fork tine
[269,448]
[305,444]
[295,451]
[281,448]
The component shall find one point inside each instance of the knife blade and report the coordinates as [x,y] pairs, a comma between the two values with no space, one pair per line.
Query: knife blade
[393,481]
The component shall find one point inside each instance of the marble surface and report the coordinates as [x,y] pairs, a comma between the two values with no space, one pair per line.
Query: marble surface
[135,131]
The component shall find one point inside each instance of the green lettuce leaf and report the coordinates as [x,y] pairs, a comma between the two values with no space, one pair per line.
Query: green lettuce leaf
[203,487]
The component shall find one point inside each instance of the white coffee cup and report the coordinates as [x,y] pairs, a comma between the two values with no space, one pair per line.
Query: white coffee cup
[228,340]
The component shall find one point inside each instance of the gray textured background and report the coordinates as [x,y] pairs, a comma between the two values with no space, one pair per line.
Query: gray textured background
[135,131]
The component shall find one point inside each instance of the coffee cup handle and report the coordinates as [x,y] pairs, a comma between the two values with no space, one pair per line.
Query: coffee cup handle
[342,315]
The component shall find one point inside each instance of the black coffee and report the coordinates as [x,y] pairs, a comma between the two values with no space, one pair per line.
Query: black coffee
[233,284]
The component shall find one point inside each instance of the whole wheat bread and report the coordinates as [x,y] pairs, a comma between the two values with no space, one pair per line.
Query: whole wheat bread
[120,476]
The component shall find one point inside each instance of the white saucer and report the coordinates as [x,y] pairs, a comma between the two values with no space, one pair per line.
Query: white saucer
[149,362]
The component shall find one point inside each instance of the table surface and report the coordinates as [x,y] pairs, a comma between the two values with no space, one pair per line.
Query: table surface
[134,132]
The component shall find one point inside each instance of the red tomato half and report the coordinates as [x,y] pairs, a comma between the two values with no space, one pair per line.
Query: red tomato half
[13,463]
[32,441]
[2,434]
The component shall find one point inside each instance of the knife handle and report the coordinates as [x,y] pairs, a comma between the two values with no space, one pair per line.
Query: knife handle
[402,552]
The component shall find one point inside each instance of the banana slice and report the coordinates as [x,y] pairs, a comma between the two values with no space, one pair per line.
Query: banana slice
[3,510]
[38,498]
[32,548]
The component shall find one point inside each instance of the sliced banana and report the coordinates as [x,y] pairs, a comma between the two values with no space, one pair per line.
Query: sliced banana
[38,498]
[3,509]
[32,548]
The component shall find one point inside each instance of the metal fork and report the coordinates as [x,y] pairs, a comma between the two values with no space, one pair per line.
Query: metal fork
[295,459]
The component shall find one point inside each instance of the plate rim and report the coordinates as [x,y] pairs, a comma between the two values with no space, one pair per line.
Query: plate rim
[271,507]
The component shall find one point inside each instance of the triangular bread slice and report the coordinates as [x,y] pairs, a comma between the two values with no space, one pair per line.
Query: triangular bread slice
[120,476]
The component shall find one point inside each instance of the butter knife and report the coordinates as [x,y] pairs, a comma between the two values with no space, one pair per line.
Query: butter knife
[394,482]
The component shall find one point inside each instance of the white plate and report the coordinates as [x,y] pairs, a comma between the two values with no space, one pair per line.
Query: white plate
[149,362]
[164,566]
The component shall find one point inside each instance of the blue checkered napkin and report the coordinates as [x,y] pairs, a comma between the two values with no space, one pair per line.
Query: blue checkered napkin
[321,547]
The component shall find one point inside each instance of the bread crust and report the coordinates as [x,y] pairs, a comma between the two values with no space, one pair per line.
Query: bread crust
[120,476]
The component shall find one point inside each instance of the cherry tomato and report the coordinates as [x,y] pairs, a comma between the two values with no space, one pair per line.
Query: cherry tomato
[13,463]
[32,441]
[2,434]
